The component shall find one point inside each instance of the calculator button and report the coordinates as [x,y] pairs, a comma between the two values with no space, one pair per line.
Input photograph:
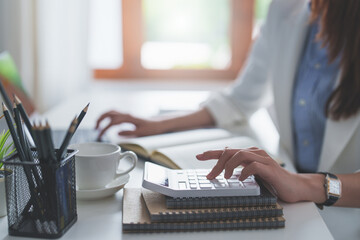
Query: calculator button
[193,186]
[201,177]
[204,181]
[237,170]
[182,185]
[205,186]
[248,180]
[218,184]
[192,181]
[233,180]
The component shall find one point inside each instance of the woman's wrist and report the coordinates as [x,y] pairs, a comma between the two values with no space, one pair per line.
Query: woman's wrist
[311,188]
[167,125]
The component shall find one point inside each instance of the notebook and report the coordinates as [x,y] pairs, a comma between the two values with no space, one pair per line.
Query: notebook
[265,198]
[137,219]
[156,205]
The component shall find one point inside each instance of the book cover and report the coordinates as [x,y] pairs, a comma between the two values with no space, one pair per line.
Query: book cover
[265,198]
[156,205]
[137,219]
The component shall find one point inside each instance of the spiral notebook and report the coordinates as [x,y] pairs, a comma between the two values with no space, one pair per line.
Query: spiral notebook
[266,198]
[156,205]
[136,219]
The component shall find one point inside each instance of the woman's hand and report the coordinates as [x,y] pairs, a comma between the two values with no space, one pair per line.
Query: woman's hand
[142,127]
[288,186]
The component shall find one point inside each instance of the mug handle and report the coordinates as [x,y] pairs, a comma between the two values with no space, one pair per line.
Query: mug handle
[127,154]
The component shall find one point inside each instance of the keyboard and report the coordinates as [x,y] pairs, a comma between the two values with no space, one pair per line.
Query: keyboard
[193,183]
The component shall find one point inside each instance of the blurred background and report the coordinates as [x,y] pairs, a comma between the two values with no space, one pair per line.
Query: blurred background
[62,46]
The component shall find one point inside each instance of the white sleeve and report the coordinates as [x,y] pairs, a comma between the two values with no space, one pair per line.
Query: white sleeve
[252,88]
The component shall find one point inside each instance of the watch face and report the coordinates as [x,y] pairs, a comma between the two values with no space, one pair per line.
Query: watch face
[334,187]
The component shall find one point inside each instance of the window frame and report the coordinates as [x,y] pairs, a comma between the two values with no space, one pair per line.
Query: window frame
[242,17]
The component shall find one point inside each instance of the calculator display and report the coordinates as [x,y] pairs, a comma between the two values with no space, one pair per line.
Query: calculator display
[158,176]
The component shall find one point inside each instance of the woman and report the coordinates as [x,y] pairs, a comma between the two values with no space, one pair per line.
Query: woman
[306,62]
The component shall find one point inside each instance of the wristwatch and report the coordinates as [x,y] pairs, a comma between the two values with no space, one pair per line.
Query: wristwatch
[332,188]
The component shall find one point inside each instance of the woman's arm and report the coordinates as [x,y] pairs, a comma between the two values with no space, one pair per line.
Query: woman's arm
[290,187]
[350,190]
[145,127]
[198,119]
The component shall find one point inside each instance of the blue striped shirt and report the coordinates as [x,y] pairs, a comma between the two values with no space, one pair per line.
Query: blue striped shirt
[314,83]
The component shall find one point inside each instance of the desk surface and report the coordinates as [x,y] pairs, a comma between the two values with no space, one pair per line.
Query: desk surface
[102,219]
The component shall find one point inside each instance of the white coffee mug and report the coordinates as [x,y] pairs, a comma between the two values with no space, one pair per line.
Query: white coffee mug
[97,164]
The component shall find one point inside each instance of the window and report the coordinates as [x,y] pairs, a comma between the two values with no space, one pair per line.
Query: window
[196,39]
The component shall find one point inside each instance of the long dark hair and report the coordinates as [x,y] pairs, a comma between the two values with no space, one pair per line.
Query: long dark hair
[340,32]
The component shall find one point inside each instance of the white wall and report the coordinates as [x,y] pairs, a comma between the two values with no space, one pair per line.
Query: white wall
[62,27]
[48,41]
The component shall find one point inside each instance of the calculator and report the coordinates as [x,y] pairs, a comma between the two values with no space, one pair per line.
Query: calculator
[193,183]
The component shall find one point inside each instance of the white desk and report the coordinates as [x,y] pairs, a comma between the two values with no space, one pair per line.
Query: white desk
[102,219]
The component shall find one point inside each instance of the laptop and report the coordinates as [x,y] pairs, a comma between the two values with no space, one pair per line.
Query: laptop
[81,135]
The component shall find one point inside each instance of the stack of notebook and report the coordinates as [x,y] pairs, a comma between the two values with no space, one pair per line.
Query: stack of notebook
[148,211]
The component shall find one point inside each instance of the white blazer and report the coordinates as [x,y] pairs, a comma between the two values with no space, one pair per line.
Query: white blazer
[268,78]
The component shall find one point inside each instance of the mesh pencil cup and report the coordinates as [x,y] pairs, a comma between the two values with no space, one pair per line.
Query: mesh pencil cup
[40,197]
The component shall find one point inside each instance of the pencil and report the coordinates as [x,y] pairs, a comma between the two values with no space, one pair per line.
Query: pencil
[24,115]
[32,188]
[82,115]
[49,142]
[18,125]
[23,140]
[13,132]
[66,141]
[5,96]
[43,146]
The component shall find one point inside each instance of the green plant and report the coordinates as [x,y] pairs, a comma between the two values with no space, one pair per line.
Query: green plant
[4,148]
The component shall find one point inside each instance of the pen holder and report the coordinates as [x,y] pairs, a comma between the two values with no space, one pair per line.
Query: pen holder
[40,198]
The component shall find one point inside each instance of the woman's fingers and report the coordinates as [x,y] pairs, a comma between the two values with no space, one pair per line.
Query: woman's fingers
[220,165]
[105,129]
[116,118]
[102,117]
[229,159]
[208,155]
[255,168]
[244,157]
